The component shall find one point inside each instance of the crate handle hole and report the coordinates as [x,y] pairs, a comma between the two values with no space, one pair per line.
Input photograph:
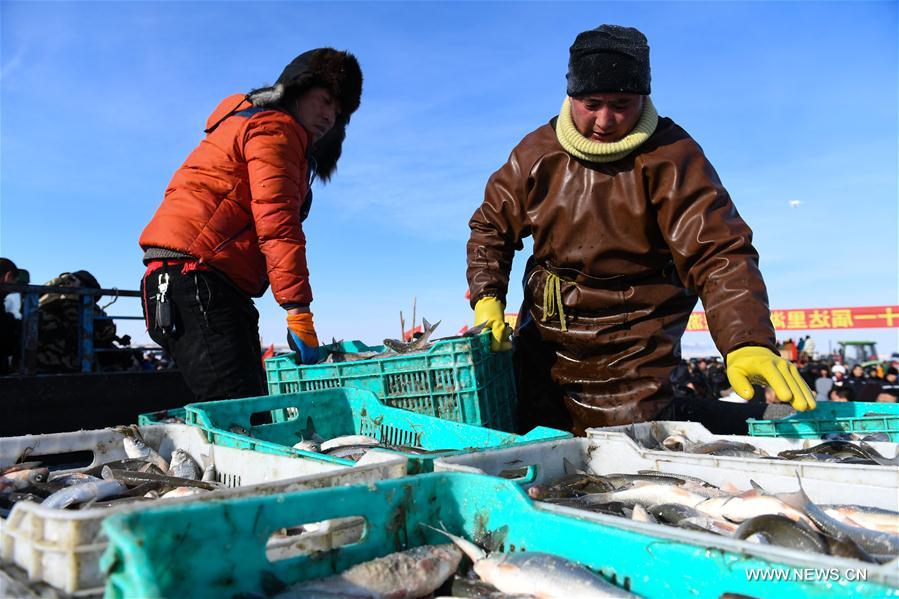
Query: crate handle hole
[314,537]
[274,416]
[67,460]
[523,475]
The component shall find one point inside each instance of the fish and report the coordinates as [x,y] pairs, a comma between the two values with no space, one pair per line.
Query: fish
[647,494]
[126,464]
[535,573]
[348,440]
[838,449]
[308,445]
[719,447]
[475,330]
[183,492]
[73,478]
[870,541]
[20,479]
[683,477]
[874,455]
[412,573]
[17,496]
[239,430]
[672,513]
[748,505]
[82,493]
[641,515]
[20,466]
[183,466]
[783,532]
[209,471]
[867,517]
[402,347]
[169,481]
[350,452]
[708,524]
[136,448]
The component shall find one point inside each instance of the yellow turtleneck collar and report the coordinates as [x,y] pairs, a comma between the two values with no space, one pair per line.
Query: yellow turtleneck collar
[594,151]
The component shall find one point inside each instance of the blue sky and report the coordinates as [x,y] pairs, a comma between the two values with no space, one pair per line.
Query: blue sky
[101,102]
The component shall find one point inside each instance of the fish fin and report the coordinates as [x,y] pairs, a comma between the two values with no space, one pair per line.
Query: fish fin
[570,468]
[797,499]
[731,488]
[424,323]
[756,486]
[473,552]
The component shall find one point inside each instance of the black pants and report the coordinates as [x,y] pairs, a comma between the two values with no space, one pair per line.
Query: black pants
[720,417]
[215,341]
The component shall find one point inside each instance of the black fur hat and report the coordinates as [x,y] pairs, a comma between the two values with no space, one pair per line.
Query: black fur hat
[339,73]
[609,58]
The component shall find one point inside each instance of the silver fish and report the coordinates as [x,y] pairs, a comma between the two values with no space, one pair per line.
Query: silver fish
[708,524]
[73,478]
[136,448]
[90,491]
[867,517]
[534,573]
[183,466]
[871,541]
[419,344]
[413,573]
[182,492]
[646,494]
[748,505]
[348,440]
[641,515]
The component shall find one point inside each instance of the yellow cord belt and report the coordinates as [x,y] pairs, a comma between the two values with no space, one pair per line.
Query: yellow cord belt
[552,299]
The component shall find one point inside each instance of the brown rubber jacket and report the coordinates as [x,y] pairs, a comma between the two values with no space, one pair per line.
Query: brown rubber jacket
[235,204]
[633,242]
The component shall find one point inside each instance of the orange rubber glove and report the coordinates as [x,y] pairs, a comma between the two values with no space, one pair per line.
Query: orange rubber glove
[762,366]
[302,339]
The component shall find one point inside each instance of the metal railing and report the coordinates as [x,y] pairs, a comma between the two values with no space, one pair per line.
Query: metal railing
[28,342]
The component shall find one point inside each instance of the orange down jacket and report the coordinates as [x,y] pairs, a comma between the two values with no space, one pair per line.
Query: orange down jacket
[235,203]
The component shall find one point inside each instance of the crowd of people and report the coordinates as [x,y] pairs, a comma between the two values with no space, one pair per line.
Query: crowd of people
[832,381]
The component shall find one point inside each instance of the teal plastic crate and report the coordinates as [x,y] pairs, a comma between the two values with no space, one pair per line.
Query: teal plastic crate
[161,417]
[277,422]
[456,379]
[207,549]
[833,417]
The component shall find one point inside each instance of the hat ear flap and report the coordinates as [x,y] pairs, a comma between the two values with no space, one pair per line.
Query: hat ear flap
[326,151]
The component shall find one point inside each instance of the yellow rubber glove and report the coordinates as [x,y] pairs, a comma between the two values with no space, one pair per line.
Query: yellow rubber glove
[762,366]
[490,310]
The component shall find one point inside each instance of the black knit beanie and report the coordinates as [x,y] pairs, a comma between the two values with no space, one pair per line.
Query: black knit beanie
[609,58]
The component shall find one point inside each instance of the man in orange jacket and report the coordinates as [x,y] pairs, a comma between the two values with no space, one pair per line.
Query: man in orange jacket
[230,224]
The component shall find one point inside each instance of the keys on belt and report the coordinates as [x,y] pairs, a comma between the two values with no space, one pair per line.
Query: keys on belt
[164,319]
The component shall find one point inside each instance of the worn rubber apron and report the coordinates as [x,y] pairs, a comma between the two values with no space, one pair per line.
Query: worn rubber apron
[596,351]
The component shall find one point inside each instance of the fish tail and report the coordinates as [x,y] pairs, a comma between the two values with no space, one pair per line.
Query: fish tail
[473,552]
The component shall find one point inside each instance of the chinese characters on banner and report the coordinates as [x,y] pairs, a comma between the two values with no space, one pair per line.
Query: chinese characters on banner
[863,317]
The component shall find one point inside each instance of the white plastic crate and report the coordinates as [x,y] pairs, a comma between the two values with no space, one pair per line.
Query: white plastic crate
[63,547]
[645,432]
[876,486]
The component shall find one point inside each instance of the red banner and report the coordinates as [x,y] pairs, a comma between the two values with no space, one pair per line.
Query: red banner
[804,319]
